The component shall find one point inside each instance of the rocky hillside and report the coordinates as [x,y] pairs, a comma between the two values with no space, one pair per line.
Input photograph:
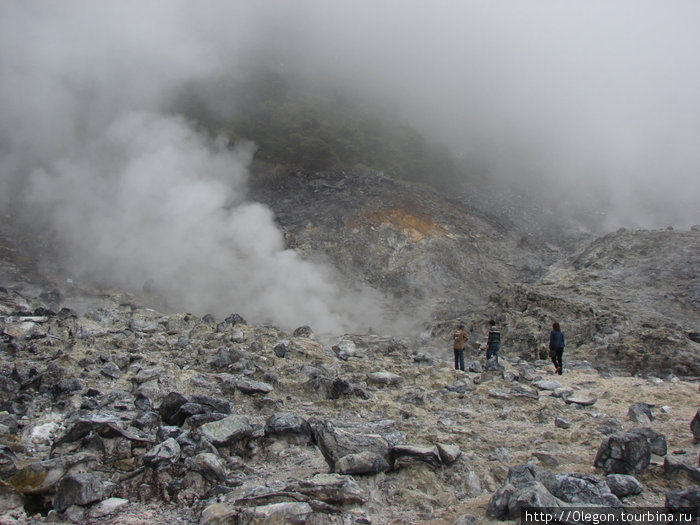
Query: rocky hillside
[113,411]
[126,415]
[427,249]
[628,300]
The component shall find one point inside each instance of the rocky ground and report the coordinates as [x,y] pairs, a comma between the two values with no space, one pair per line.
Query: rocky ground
[113,410]
[127,415]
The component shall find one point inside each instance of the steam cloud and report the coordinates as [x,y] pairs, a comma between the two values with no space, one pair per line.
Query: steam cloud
[594,99]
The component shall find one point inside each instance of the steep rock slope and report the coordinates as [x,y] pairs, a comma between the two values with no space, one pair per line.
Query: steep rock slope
[419,246]
[630,300]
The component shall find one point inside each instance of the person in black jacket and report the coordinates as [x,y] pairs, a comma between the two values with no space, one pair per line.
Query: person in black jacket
[493,343]
[556,347]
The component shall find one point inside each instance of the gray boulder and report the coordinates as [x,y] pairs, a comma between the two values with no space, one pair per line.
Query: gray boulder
[695,427]
[509,499]
[675,464]
[683,499]
[169,409]
[623,485]
[78,489]
[288,426]
[227,431]
[330,488]
[366,462]
[533,486]
[624,453]
[657,441]
[336,443]
[430,455]
[253,387]
[640,413]
[162,455]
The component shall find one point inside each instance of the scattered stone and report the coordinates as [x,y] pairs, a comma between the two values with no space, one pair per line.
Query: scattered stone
[623,485]
[561,422]
[675,464]
[640,413]
[581,401]
[679,500]
[107,507]
[253,387]
[695,427]
[475,366]
[288,426]
[430,455]
[111,370]
[383,378]
[227,431]
[162,455]
[448,453]
[547,385]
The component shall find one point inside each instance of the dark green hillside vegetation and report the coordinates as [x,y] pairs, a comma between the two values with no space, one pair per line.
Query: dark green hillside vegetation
[315,128]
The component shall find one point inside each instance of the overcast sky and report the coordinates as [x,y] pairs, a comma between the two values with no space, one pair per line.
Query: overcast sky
[595,98]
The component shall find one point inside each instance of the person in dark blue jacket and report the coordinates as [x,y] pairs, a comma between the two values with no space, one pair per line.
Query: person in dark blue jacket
[556,347]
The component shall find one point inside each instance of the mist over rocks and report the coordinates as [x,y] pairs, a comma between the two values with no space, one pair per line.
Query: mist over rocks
[137,216]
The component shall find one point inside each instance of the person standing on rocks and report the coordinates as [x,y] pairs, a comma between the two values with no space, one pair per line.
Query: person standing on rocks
[493,343]
[556,347]
[460,338]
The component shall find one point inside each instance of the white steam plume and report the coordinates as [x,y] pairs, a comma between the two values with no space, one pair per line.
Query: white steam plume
[153,199]
[132,193]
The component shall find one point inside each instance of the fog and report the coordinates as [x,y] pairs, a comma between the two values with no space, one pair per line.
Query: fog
[582,103]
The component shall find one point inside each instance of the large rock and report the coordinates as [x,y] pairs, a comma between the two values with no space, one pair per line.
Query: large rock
[40,477]
[337,443]
[682,500]
[288,426]
[330,488]
[169,409]
[624,453]
[106,425]
[365,462]
[640,413]
[162,455]
[78,489]
[533,486]
[429,455]
[227,431]
[675,464]
[657,441]
[695,427]
[507,501]
[623,485]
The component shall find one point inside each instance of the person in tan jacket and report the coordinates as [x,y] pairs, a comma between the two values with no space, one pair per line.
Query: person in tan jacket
[460,338]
